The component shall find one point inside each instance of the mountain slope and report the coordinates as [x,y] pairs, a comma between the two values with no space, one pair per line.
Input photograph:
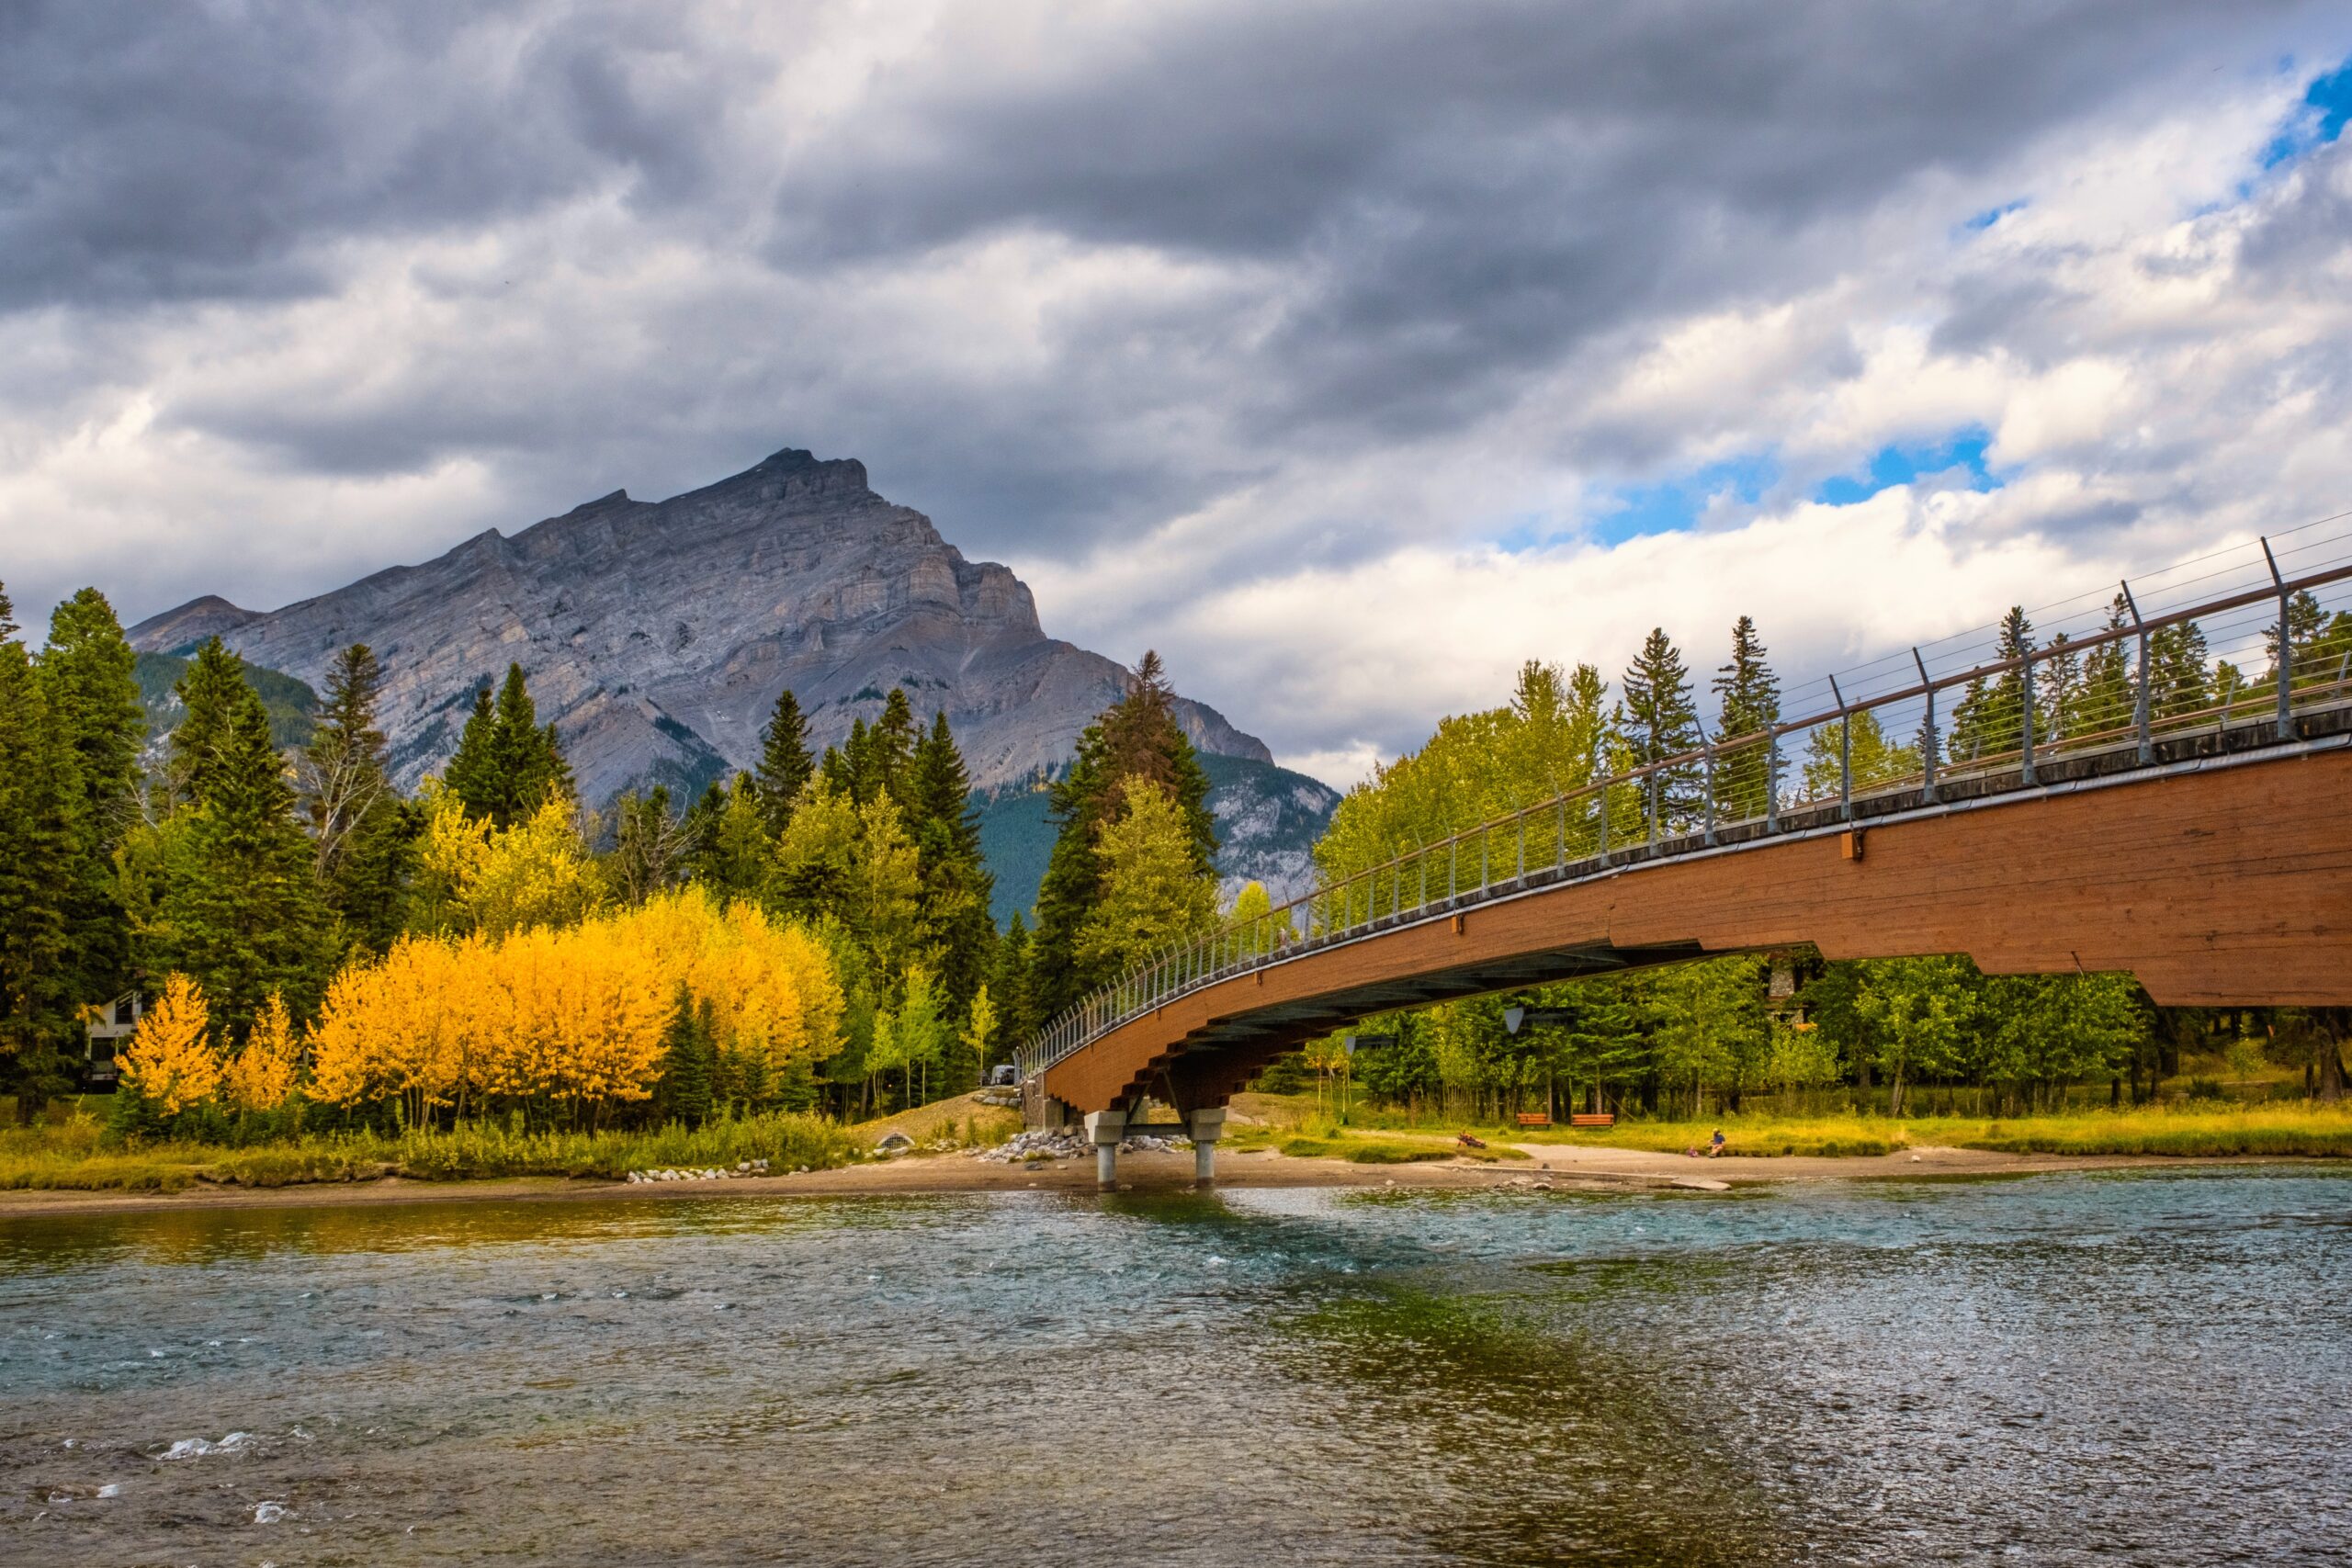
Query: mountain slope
[657,635]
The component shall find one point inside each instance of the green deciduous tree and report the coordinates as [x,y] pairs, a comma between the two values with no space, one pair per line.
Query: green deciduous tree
[1152,889]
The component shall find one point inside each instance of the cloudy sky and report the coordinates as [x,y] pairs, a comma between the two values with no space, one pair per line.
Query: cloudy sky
[1347,353]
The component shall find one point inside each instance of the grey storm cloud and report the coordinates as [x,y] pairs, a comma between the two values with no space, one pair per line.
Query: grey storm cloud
[641,251]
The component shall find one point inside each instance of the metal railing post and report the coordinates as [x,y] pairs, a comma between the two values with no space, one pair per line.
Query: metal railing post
[2285,651]
[1522,849]
[2025,720]
[2140,726]
[1772,780]
[1710,829]
[1560,836]
[1927,734]
[1845,753]
[1452,869]
[1604,823]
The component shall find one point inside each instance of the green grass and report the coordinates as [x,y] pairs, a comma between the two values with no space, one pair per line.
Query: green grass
[2192,1129]
[70,1155]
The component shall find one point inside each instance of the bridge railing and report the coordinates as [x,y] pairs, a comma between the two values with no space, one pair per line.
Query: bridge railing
[1756,786]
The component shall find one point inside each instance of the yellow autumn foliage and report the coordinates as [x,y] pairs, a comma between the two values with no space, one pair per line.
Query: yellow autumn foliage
[576,1014]
[170,1059]
[260,1076]
[478,877]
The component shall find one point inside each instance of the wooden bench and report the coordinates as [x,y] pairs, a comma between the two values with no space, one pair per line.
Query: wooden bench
[1534,1119]
[1593,1118]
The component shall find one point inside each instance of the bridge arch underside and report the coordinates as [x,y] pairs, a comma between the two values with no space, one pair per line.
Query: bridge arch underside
[2223,885]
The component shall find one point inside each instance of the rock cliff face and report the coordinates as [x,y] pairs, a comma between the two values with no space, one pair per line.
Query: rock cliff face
[657,635]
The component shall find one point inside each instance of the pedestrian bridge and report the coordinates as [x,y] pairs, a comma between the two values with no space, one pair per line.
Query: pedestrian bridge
[2209,853]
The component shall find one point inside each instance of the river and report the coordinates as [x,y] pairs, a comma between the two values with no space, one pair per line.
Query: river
[2121,1368]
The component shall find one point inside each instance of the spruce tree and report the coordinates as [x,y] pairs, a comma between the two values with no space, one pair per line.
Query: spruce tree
[242,909]
[506,765]
[1010,987]
[1990,720]
[41,830]
[683,1091]
[1748,697]
[2180,680]
[211,690]
[784,768]
[892,739]
[1661,720]
[87,679]
[2109,701]
[957,883]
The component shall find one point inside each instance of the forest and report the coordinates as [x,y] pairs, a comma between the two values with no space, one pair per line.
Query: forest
[321,950]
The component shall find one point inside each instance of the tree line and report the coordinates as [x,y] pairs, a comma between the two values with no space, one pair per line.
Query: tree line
[810,933]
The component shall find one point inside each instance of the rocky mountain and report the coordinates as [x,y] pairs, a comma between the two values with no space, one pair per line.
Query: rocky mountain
[657,635]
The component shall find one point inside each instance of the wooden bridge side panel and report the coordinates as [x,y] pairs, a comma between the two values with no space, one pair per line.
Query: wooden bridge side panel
[2221,887]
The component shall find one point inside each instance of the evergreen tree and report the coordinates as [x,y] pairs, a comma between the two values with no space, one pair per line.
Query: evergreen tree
[506,766]
[2060,692]
[1748,698]
[242,910]
[1136,738]
[363,835]
[41,831]
[1990,720]
[1661,720]
[2180,681]
[1151,895]
[892,740]
[2110,699]
[87,681]
[1010,987]
[689,1057]
[956,880]
[211,690]
[784,768]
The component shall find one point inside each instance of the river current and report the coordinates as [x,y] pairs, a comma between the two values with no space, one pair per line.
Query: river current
[2125,1367]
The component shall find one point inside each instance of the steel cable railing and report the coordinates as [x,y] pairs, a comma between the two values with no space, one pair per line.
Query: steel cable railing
[1684,804]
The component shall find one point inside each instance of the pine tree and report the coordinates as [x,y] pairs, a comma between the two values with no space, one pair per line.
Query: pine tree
[1990,720]
[211,690]
[87,679]
[506,766]
[243,911]
[1661,721]
[683,1091]
[734,856]
[2060,692]
[2180,680]
[2109,701]
[1748,697]
[892,739]
[1136,738]
[1010,986]
[363,834]
[41,831]
[956,880]
[784,768]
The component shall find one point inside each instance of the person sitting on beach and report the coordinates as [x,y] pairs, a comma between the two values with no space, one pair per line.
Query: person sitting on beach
[1715,1145]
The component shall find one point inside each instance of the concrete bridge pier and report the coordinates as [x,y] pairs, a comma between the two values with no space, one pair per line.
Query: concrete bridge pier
[1206,1127]
[1104,1130]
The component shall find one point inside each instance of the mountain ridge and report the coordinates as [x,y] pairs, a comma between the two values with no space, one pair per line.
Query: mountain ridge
[656,634]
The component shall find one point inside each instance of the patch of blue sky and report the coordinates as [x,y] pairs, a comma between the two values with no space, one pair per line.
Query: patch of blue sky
[1993,215]
[2331,95]
[1901,464]
[1677,504]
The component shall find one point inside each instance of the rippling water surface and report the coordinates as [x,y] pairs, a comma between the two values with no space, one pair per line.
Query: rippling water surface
[2127,1367]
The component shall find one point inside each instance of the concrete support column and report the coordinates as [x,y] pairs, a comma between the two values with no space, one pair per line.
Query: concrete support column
[1104,1130]
[1207,1127]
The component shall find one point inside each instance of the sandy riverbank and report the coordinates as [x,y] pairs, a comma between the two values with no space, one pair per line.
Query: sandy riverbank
[1557,1164]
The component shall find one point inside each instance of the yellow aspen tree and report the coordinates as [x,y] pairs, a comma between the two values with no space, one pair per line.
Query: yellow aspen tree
[170,1059]
[260,1076]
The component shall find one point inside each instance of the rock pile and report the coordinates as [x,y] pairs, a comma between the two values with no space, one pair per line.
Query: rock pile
[743,1168]
[1070,1143]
